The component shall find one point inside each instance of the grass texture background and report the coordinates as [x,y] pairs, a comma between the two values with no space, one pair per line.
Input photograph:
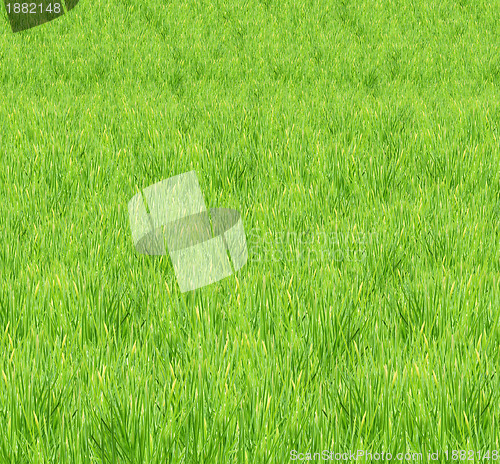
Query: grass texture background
[366,127]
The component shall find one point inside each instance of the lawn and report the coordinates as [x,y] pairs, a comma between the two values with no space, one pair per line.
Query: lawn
[360,141]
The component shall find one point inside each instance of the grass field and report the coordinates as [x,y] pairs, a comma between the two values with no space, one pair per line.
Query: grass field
[360,142]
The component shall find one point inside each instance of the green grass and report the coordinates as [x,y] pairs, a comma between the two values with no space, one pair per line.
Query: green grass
[360,142]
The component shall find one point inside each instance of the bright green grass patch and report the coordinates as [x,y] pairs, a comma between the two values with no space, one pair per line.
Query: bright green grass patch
[359,140]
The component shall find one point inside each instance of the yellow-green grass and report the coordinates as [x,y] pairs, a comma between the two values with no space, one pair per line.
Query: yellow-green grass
[360,142]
